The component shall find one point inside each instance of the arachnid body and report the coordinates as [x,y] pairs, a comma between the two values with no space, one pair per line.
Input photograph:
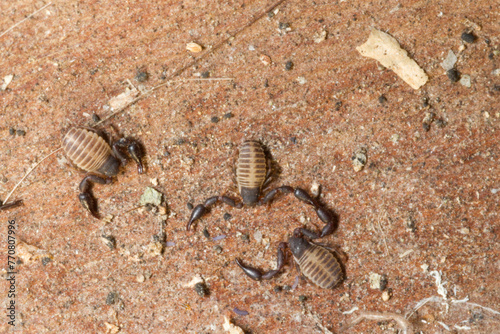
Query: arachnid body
[86,149]
[252,171]
[316,263]
[252,174]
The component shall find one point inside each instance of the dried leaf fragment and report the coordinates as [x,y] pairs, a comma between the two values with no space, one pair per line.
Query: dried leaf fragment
[386,49]
[194,47]
[123,99]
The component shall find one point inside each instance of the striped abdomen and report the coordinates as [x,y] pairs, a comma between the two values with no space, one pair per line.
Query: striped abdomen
[87,150]
[251,171]
[320,266]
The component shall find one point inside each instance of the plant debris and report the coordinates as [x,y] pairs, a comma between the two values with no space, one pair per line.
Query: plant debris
[123,99]
[386,49]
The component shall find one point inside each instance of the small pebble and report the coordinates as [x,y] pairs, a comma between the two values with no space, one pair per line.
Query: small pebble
[383,282]
[289,65]
[214,119]
[257,236]
[411,226]
[205,74]
[265,59]
[162,210]
[453,75]
[320,37]
[315,188]
[190,206]
[302,298]
[140,278]
[46,260]
[201,289]
[109,241]
[179,141]
[382,99]
[428,119]
[227,116]
[440,123]
[359,160]
[425,102]
[12,131]
[428,317]
[21,133]
[465,80]
[218,249]
[301,80]
[141,75]
[227,216]
[375,281]
[245,237]
[450,61]
[194,47]
[95,118]
[112,298]
[277,288]
[386,296]
[468,37]
[284,25]
[206,234]
[151,196]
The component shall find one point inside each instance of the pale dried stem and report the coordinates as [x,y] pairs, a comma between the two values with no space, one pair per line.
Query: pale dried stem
[403,324]
[26,18]
[197,59]
[29,172]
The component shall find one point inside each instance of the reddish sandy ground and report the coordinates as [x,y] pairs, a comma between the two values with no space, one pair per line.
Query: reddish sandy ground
[426,203]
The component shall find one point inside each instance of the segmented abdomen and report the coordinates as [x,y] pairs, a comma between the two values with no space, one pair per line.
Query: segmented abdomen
[320,266]
[86,149]
[251,169]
